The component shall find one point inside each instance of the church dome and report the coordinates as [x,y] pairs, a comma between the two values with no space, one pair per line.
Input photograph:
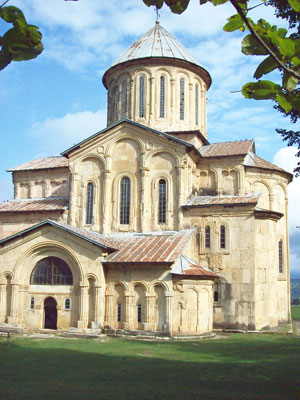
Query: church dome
[158,83]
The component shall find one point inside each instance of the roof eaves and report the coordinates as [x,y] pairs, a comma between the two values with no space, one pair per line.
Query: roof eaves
[50,222]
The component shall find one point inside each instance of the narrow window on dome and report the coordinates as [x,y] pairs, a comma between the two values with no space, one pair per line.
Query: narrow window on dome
[124,99]
[182,99]
[162,201]
[89,204]
[125,201]
[142,97]
[222,237]
[207,237]
[197,104]
[162,97]
[280,258]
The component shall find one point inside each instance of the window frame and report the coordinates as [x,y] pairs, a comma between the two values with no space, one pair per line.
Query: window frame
[162,97]
[139,314]
[119,312]
[32,303]
[125,201]
[89,209]
[223,237]
[50,274]
[280,257]
[141,102]
[207,238]
[67,308]
[162,201]
[181,98]
[197,104]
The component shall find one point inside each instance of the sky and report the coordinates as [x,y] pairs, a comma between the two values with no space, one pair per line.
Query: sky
[50,103]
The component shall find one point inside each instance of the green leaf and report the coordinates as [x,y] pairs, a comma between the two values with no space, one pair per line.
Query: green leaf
[156,3]
[5,59]
[296,61]
[284,102]
[234,22]
[177,6]
[287,47]
[218,2]
[266,66]
[11,14]
[289,82]
[295,4]
[203,2]
[250,46]
[261,90]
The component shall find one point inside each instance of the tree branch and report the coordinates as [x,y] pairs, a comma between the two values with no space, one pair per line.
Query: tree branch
[2,5]
[260,40]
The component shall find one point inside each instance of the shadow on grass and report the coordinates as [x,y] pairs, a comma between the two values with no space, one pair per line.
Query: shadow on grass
[244,367]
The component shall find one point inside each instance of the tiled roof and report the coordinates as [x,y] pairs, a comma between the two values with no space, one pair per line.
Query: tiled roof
[252,160]
[42,163]
[157,42]
[186,266]
[92,237]
[32,205]
[156,247]
[225,149]
[204,201]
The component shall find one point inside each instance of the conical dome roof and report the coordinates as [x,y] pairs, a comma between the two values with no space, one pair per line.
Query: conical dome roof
[157,42]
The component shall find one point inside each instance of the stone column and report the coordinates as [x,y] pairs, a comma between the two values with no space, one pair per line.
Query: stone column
[128,324]
[151,101]
[131,100]
[83,306]
[106,205]
[73,199]
[191,107]
[98,309]
[17,188]
[149,317]
[179,197]
[168,325]
[271,201]
[109,311]
[31,190]
[47,188]
[2,302]
[172,103]
[14,305]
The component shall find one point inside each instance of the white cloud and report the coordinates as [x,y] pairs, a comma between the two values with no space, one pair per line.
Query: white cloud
[58,134]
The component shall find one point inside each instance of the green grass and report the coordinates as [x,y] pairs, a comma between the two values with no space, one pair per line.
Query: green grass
[238,367]
[296,312]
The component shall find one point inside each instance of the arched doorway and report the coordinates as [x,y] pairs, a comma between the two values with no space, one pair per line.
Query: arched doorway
[50,313]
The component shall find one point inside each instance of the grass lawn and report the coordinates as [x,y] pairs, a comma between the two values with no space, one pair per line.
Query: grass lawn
[237,367]
[295,312]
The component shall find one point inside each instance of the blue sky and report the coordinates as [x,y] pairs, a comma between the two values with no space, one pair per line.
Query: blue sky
[56,100]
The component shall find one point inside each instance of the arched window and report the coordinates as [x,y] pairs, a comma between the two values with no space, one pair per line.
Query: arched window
[125,201]
[162,201]
[89,203]
[139,313]
[119,312]
[142,97]
[67,304]
[32,303]
[222,237]
[162,97]
[181,109]
[197,104]
[207,237]
[51,271]
[280,258]
[124,99]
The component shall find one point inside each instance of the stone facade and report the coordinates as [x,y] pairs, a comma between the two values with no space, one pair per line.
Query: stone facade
[145,226]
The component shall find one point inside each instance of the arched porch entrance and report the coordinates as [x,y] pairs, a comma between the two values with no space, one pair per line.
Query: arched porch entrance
[50,310]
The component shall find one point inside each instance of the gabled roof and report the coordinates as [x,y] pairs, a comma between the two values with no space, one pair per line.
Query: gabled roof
[42,163]
[188,267]
[156,247]
[133,123]
[59,203]
[227,149]
[253,160]
[92,237]
[226,201]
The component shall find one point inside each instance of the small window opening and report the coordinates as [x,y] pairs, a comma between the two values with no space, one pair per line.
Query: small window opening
[125,201]
[142,97]
[139,313]
[207,237]
[280,257]
[197,104]
[162,97]
[182,99]
[216,292]
[222,237]
[32,303]
[89,204]
[67,304]
[162,201]
[119,312]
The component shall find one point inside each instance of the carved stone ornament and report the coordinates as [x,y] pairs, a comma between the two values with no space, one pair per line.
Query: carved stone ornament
[178,288]
[215,262]
[100,149]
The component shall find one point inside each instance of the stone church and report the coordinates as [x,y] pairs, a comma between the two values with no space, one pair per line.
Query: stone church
[146,226]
